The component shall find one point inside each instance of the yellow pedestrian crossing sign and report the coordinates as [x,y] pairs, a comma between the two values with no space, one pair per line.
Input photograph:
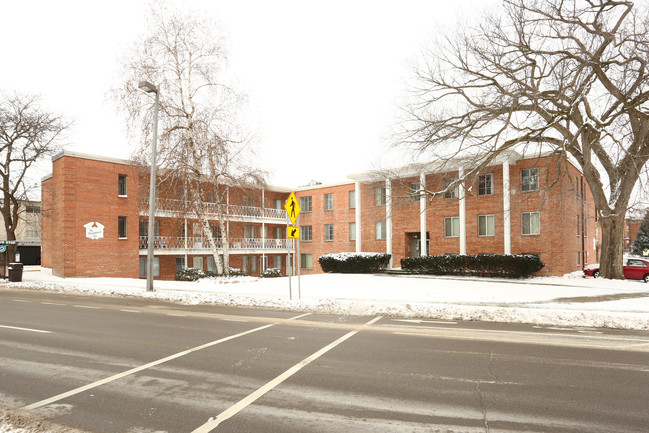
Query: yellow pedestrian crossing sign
[292,208]
[293,232]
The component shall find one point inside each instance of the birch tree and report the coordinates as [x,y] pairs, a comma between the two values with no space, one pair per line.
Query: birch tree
[200,136]
[566,76]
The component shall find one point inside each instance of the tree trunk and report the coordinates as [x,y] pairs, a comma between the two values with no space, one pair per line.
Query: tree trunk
[611,256]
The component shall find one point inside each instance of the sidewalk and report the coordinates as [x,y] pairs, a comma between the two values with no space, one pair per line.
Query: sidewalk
[556,301]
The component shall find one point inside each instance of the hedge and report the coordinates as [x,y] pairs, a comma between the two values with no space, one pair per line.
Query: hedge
[484,265]
[354,263]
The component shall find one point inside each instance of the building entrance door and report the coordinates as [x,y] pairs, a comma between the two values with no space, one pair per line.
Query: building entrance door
[415,239]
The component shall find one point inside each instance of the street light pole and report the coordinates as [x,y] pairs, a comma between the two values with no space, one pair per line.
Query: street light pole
[150,88]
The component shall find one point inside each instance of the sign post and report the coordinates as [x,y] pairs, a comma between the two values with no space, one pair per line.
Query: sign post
[293,209]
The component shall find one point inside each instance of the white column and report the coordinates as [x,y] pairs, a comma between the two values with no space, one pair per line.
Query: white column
[507,224]
[462,194]
[422,214]
[359,230]
[388,219]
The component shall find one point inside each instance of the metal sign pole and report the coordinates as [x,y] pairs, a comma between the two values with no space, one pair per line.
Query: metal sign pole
[288,263]
[299,264]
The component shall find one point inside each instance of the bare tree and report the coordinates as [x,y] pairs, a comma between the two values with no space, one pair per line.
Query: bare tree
[568,76]
[28,133]
[200,138]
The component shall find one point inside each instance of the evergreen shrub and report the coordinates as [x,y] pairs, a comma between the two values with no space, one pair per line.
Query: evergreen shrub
[271,273]
[354,263]
[484,265]
[189,274]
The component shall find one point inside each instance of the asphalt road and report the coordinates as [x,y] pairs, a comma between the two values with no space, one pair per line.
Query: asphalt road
[141,366]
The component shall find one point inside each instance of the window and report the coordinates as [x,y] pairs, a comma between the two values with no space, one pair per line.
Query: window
[577,226]
[249,232]
[197,229]
[485,184]
[306,233]
[306,204]
[180,263]
[121,185]
[33,233]
[415,191]
[380,230]
[452,227]
[121,227]
[277,204]
[352,199]
[249,264]
[352,231]
[529,179]
[578,258]
[486,225]
[328,202]
[306,261]
[211,265]
[329,232]
[277,232]
[531,223]
[197,263]
[277,262]
[156,267]
[379,196]
[453,192]
[32,208]
[144,228]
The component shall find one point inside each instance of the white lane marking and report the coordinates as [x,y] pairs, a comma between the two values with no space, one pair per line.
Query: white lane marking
[212,423]
[17,328]
[51,303]
[176,314]
[20,300]
[87,306]
[443,322]
[153,364]
[130,311]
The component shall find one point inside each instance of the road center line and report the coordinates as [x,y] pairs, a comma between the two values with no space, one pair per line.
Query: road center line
[40,331]
[246,401]
[153,364]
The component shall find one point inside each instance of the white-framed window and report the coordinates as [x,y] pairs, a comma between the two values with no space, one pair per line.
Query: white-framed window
[211,265]
[249,232]
[380,230]
[530,179]
[306,261]
[380,195]
[156,267]
[453,192]
[180,263]
[531,222]
[415,191]
[306,204]
[352,231]
[197,229]
[486,184]
[329,232]
[121,185]
[277,233]
[352,199]
[144,228]
[306,233]
[121,227]
[249,264]
[197,263]
[486,225]
[452,227]
[328,202]
[277,203]
[277,262]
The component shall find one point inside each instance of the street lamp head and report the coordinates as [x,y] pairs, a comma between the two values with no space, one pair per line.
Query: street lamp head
[147,87]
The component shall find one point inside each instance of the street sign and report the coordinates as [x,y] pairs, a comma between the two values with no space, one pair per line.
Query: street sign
[293,232]
[292,207]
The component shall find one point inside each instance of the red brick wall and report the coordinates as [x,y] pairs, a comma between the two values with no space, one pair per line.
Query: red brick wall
[84,190]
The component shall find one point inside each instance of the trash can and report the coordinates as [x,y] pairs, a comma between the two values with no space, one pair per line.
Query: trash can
[15,272]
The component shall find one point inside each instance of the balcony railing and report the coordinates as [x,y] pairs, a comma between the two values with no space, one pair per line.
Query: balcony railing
[164,242]
[180,208]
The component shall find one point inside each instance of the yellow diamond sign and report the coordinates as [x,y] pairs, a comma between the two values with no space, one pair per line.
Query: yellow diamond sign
[292,208]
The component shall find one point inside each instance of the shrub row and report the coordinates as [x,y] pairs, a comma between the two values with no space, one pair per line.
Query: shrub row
[354,263]
[191,274]
[484,265]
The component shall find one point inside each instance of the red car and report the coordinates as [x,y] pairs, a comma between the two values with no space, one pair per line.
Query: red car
[634,269]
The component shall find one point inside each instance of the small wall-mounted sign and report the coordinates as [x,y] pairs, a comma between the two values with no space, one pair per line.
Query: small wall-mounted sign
[94,230]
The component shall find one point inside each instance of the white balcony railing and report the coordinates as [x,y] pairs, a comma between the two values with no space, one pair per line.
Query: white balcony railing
[194,243]
[179,207]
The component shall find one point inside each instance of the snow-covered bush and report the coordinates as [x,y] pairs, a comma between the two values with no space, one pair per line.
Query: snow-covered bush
[485,265]
[271,273]
[354,263]
[189,274]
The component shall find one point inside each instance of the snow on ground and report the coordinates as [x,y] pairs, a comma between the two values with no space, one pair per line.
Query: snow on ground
[563,301]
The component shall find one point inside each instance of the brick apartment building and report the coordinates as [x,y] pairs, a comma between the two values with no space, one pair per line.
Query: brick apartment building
[94,219]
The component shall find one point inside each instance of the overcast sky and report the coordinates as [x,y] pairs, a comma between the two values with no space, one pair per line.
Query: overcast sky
[323,78]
